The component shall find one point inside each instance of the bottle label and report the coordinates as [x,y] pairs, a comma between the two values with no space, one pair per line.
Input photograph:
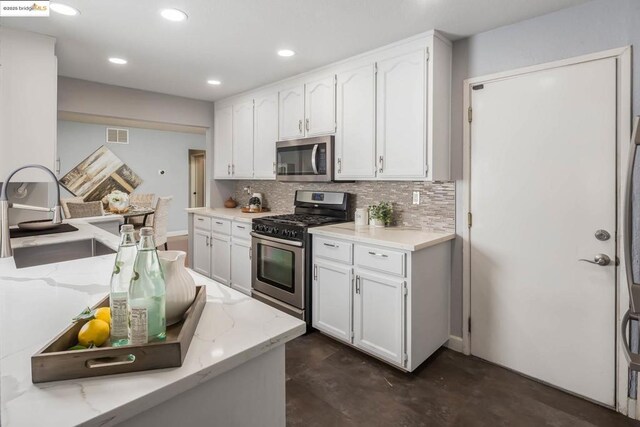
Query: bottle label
[139,321]
[119,315]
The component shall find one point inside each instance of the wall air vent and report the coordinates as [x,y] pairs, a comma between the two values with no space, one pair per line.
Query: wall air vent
[117,136]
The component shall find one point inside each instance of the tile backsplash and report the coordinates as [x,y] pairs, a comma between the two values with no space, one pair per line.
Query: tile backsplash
[436,210]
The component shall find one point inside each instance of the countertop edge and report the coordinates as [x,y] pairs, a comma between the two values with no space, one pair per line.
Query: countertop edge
[383,242]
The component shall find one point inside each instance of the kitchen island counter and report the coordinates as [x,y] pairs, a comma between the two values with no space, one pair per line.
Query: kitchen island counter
[237,352]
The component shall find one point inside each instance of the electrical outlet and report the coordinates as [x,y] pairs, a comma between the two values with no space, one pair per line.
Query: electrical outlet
[416,197]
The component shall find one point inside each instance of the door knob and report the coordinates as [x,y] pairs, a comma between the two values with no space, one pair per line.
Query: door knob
[599,259]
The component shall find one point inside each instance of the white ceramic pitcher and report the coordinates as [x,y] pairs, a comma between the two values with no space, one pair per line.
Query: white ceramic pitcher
[180,286]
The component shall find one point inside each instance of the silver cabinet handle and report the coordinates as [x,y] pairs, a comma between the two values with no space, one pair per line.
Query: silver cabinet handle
[274,168]
[228,168]
[233,169]
[250,253]
[314,153]
[315,272]
[377,254]
[339,165]
[331,245]
[381,161]
[357,284]
[300,125]
[599,259]
[208,241]
[200,219]
[241,227]
[307,124]
[219,222]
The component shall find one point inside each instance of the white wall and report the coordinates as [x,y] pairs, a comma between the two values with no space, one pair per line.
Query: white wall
[592,27]
[147,152]
[81,96]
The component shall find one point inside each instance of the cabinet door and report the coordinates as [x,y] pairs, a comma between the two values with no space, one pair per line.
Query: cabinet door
[201,252]
[379,316]
[241,266]
[220,258]
[320,106]
[356,124]
[402,117]
[331,299]
[291,108]
[222,142]
[265,130]
[242,164]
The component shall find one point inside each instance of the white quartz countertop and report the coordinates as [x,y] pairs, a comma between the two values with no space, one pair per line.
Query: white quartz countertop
[405,238]
[234,214]
[36,303]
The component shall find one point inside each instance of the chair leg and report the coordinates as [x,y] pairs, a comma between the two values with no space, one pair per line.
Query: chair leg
[166,248]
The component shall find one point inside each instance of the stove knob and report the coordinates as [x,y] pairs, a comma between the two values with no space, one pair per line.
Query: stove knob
[275,230]
[293,234]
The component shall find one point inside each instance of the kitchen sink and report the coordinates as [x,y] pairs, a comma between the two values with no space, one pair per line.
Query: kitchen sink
[31,256]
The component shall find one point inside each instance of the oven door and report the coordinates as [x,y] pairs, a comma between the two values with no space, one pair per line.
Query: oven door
[305,160]
[277,269]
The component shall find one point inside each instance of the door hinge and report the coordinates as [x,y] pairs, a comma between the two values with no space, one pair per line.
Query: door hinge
[469,114]
[469,219]
[353,335]
[404,288]
[335,79]
[375,68]
[469,325]
[405,359]
[428,54]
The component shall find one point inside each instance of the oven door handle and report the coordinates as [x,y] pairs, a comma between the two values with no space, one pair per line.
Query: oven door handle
[314,153]
[276,240]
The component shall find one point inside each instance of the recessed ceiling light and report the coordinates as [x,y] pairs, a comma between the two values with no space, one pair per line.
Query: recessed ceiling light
[286,52]
[214,82]
[174,15]
[64,9]
[119,61]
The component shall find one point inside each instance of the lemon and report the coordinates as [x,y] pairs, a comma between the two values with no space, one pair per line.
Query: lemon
[94,332]
[103,313]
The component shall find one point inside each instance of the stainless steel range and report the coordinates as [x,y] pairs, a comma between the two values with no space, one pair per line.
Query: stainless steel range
[281,248]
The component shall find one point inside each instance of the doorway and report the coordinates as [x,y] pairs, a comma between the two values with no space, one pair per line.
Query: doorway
[541,189]
[197,178]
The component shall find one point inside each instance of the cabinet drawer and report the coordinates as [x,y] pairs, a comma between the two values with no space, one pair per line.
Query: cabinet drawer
[333,249]
[202,222]
[384,260]
[241,230]
[222,226]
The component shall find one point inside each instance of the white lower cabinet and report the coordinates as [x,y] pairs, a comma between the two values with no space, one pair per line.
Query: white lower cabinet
[331,299]
[201,261]
[221,258]
[379,315]
[395,309]
[241,265]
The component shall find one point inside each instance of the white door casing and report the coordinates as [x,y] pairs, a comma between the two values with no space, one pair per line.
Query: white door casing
[355,143]
[542,181]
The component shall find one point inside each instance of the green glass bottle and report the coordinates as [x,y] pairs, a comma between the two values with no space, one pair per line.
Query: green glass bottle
[147,322]
[120,280]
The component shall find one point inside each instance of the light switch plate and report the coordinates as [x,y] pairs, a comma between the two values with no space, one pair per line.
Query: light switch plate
[416,197]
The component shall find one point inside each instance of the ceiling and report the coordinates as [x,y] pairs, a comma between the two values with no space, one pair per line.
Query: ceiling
[235,41]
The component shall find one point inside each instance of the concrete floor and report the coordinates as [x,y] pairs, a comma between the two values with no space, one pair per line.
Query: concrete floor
[330,384]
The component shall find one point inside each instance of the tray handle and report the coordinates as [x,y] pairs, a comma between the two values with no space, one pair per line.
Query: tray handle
[106,362]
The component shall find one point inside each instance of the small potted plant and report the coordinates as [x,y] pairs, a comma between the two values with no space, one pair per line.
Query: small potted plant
[380,214]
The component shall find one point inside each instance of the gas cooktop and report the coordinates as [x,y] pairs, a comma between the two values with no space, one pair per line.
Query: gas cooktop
[301,220]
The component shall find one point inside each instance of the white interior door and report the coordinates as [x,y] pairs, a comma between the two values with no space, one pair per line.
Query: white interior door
[543,181]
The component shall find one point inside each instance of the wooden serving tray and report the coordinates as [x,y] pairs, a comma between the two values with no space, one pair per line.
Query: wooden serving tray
[246,210]
[54,362]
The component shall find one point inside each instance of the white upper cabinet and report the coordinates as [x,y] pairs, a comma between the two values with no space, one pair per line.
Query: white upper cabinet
[222,151]
[291,112]
[28,104]
[320,106]
[265,131]
[402,116]
[242,137]
[355,143]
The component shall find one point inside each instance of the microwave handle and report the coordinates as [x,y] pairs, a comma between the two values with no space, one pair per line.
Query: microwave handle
[314,153]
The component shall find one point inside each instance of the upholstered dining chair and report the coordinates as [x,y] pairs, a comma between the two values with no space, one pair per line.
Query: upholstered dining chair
[160,222]
[143,200]
[86,209]
[65,200]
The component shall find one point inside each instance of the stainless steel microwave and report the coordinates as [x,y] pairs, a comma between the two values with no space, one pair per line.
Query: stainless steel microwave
[309,159]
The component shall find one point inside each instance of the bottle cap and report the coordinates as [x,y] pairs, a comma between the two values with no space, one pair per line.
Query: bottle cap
[125,228]
[146,231]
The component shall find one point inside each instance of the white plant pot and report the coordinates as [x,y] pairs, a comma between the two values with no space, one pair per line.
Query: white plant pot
[180,286]
[377,223]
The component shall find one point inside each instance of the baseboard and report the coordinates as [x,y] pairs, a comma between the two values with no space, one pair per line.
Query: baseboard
[455,344]
[177,233]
